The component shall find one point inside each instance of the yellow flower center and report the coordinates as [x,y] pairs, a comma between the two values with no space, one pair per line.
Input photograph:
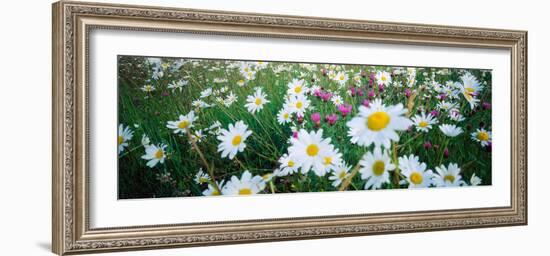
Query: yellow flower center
[482,136]
[241,81]
[342,175]
[290,163]
[299,105]
[378,168]
[469,94]
[416,178]
[159,154]
[378,121]
[216,192]
[285,116]
[449,178]
[266,176]
[297,89]
[183,124]
[120,139]
[245,191]
[383,78]
[342,77]
[258,102]
[327,160]
[312,150]
[203,180]
[236,140]
[423,124]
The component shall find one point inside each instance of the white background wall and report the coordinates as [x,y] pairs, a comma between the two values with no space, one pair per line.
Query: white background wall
[25,148]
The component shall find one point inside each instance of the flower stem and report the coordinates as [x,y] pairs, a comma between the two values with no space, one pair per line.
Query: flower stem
[240,163]
[443,150]
[347,181]
[396,172]
[128,151]
[201,156]
[271,187]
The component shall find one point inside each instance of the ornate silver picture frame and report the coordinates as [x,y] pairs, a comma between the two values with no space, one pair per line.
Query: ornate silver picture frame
[72,24]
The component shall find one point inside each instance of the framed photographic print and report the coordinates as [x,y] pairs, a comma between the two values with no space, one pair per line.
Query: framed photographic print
[243,127]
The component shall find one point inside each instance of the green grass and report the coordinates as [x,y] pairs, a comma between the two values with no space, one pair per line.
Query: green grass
[269,141]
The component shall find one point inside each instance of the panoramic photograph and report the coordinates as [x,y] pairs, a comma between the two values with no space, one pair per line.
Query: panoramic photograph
[210,127]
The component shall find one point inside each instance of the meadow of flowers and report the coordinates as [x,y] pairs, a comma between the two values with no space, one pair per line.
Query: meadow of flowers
[199,127]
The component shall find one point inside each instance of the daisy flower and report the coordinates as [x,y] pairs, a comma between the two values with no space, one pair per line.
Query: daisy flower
[246,185]
[256,101]
[288,165]
[232,140]
[309,150]
[261,64]
[197,136]
[200,104]
[296,87]
[340,174]
[241,82]
[177,85]
[220,80]
[470,88]
[284,116]
[155,154]
[444,105]
[337,100]
[201,177]
[268,177]
[357,78]
[383,77]
[331,74]
[447,176]
[165,65]
[331,159]
[155,62]
[297,104]
[245,68]
[482,136]
[148,88]
[145,141]
[411,77]
[185,122]
[378,124]
[415,172]
[454,114]
[423,122]
[341,77]
[315,88]
[375,167]
[205,93]
[250,75]
[157,74]
[474,180]
[219,100]
[124,135]
[215,128]
[212,190]
[450,130]
[230,99]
